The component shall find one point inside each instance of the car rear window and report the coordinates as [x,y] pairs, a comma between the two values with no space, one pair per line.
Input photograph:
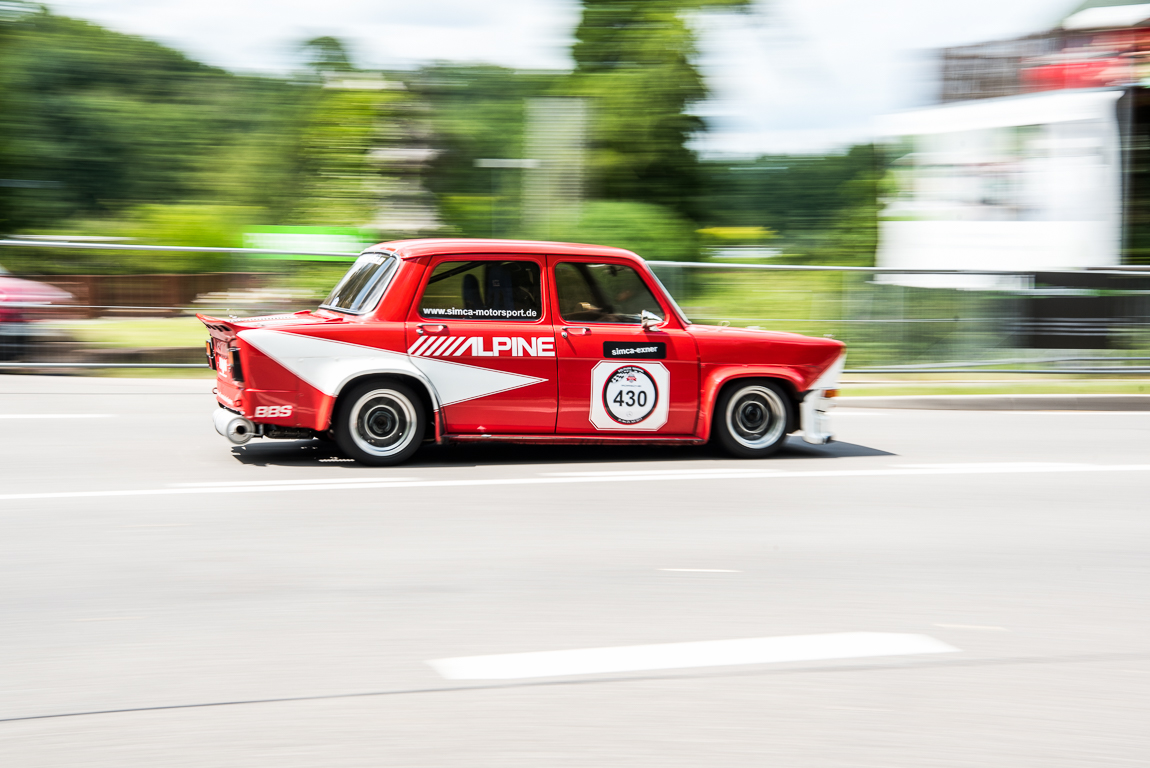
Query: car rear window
[363,285]
[483,290]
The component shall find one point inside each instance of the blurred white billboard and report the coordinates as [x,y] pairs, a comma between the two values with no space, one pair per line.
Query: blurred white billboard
[1030,182]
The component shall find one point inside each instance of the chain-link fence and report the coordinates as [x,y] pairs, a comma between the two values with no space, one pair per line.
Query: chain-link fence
[893,321]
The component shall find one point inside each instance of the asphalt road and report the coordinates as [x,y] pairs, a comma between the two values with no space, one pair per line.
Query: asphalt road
[167,600]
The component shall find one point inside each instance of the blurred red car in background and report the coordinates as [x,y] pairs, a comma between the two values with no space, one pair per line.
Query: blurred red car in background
[18,299]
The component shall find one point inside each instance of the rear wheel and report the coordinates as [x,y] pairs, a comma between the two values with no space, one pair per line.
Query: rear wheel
[752,418]
[379,423]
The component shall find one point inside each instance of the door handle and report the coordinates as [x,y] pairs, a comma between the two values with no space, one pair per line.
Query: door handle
[576,331]
[430,328]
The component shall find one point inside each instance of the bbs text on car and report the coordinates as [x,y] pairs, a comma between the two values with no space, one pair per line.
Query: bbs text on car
[486,341]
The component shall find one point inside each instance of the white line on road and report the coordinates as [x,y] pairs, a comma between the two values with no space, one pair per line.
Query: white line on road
[661,473]
[973,626]
[606,477]
[710,653]
[699,570]
[159,525]
[259,483]
[57,415]
[995,466]
[1084,413]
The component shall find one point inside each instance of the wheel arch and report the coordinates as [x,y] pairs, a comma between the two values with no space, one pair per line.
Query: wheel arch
[718,381]
[419,384]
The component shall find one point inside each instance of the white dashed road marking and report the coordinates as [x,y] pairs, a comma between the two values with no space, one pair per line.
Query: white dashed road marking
[57,415]
[710,653]
[264,483]
[112,618]
[923,470]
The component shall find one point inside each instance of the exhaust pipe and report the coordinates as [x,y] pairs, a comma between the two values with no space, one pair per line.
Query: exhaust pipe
[233,426]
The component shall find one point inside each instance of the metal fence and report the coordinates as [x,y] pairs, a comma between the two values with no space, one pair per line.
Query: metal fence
[894,321]
[936,321]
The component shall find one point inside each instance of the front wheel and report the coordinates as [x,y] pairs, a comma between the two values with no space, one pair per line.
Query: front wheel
[752,418]
[379,423]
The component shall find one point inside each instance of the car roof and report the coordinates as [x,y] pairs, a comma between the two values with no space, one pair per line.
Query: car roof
[410,249]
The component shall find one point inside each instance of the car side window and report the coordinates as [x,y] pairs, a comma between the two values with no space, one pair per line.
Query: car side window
[602,293]
[483,290]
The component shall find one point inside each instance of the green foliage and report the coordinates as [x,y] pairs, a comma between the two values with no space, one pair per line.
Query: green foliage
[478,112]
[109,134]
[472,215]
[94,123]
[735,236]
[327,54]
[339,183]
[188,224]
[787,192]
[825,208]
[214,226]
[853,238]
[651,231]
[634,60]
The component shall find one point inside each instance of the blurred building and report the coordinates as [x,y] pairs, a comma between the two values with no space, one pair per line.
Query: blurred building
[1036,157]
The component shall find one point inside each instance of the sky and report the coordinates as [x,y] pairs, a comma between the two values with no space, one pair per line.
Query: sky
[789,76]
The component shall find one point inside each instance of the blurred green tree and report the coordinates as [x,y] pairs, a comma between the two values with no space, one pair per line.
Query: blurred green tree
[478,112]
[633,58]
[652,231]
[327,54]
[363,149]
[337,179]
[96,123]
[824,207]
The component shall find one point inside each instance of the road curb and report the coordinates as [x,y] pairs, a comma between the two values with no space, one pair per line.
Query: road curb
[1003,402]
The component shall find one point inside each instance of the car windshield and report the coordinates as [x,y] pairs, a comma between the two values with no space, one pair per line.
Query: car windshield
[363,285]
[674,304]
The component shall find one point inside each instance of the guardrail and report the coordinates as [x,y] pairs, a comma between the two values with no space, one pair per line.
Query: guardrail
[16,243]
[1136,270]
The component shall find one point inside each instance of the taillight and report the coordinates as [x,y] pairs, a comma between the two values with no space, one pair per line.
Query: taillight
[234,364]
[211,354]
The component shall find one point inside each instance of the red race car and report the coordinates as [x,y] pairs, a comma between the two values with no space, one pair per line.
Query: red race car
[512,341]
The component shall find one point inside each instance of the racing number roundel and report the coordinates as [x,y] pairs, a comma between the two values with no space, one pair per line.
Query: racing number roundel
[629,396]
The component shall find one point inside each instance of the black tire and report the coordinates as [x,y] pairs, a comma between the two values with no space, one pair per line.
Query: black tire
[752,418]
[379,423]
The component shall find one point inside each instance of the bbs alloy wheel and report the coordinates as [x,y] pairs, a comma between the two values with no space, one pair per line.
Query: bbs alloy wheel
[752,419]
[380,423]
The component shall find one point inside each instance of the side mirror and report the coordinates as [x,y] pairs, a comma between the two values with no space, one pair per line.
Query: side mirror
[649,320]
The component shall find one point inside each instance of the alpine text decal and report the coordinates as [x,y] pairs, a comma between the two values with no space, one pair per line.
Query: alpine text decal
[479,346]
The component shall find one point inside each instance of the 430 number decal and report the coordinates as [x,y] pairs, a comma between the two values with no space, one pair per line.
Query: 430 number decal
[630,395]
[631,400]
